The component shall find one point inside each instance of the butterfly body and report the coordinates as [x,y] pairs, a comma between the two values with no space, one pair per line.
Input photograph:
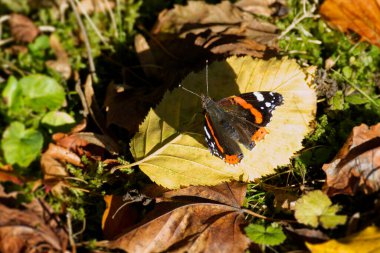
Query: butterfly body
[237,119]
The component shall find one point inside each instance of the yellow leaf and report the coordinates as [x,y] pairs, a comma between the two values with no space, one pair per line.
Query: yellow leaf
[366,241]
[170,146]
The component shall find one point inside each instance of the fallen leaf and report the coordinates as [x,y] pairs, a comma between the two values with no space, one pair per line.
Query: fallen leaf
[9,176]
[315,208]
[31,229]
[69,149]
[221,28]
[125,211]
[90,6]
[356,166]
[22,28]
[193,219]
[362,17]
[308,235]
[265,8]
[366,241]
[91,105]
[62,63]
[77,141]
[170,146]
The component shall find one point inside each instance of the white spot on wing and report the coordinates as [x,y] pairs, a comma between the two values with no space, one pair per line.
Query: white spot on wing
[259,96]
[267,104]
[207,133]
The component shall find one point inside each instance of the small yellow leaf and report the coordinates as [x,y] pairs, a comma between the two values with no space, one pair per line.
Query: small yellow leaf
[170,146]
[366,241]
[315,208]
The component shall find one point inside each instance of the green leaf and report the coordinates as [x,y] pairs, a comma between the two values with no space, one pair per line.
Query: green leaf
[337,102]
[315,208]
[18,6]
[259,234]
[347,71]
[12,95]
[40,44]
[356,99]
[21,146]
[42,92]
[58,121]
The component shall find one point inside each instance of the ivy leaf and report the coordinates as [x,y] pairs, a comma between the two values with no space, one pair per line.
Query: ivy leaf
[315,208]
[260,234]
[21,146]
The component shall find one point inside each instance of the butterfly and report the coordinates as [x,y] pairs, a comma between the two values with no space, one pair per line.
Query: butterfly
[236,119]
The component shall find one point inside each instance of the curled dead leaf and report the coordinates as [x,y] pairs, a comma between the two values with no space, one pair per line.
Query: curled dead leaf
[362,17]
[22,28]
[31,229]
[357,165]
[193,219]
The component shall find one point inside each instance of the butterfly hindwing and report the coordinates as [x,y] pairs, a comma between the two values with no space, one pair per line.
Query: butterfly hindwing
[220,139]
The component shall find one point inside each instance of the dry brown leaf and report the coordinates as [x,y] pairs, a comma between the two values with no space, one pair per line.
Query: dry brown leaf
[91,6]
[89,103]
[31,229]
[22,28]
[62,64]
[221,28]
[362,17]
[193,219]
[357,165]
[9,176]
[308,235]
[68,149]
[125,211]
[262,7]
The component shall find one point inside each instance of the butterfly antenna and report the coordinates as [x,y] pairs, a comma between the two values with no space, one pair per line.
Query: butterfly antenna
[207,77]
[192,92]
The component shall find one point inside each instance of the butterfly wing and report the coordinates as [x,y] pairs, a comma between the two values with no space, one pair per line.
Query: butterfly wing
[221,136]
[250,113]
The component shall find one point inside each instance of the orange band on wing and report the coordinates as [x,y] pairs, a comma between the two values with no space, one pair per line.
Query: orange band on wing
[232,159]
[254,111]
[259,134]
[213,134]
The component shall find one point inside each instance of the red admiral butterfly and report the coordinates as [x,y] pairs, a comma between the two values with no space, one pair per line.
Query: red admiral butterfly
[236,119]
